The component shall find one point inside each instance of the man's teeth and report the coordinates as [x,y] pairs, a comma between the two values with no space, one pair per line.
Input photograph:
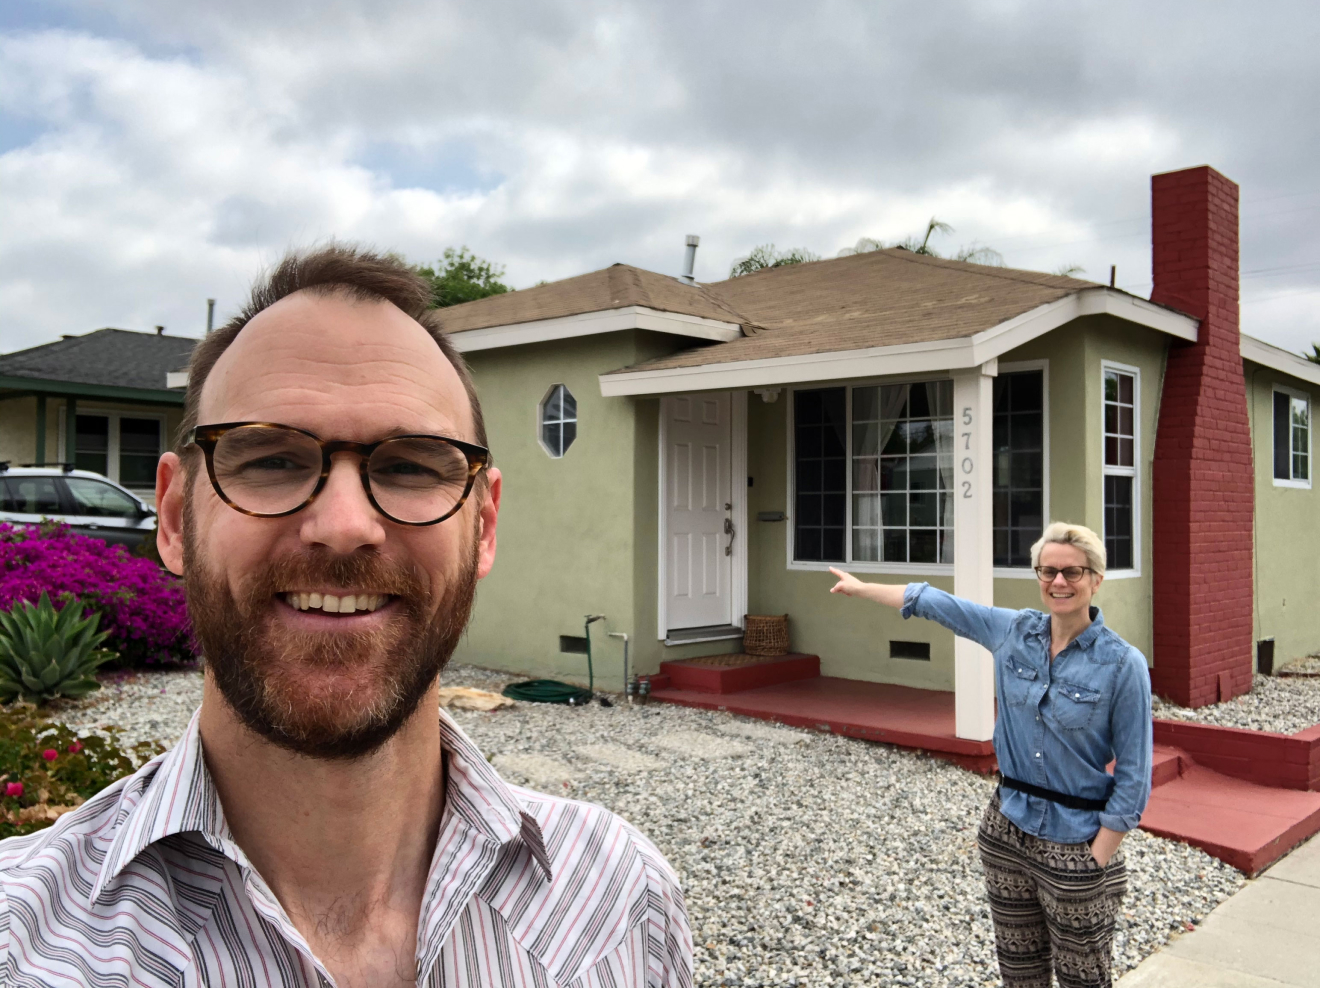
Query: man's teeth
[330,604]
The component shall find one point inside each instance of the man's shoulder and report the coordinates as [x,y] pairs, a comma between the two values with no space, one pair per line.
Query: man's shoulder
[73,847]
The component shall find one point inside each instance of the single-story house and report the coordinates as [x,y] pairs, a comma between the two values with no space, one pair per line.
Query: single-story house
[107,401]
[677,455]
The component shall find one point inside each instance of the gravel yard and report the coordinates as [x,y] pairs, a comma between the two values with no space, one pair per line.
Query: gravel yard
[1281,704]
[807,859]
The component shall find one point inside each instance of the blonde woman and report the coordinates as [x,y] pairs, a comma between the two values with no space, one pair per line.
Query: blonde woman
[1072,697]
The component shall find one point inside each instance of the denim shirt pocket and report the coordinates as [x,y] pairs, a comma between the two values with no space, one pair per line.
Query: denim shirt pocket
[1073,707]
[1019,682]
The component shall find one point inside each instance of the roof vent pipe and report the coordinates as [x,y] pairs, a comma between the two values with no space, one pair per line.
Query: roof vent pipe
[210,314]
[690,260]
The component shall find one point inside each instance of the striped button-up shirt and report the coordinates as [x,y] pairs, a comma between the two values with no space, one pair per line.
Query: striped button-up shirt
[143,885]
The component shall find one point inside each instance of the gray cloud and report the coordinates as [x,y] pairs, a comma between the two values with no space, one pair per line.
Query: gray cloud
[178,146]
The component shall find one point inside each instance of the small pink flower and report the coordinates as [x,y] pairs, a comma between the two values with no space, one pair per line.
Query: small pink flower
[50,754]
[75,747]
[14,789]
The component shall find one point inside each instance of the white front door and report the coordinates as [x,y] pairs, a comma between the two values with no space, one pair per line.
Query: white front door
[699,511]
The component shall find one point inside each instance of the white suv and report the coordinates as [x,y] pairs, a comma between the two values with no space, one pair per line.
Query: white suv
[87,502]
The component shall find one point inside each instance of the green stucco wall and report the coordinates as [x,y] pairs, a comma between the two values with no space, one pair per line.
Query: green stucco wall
[577,535]
[1287,567]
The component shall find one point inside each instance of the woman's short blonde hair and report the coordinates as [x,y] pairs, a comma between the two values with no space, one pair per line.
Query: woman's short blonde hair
[1066,533]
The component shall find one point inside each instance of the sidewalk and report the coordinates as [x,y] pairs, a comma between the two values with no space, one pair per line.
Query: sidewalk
[1265,936]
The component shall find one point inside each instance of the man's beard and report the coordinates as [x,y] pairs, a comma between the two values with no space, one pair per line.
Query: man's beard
[256,663]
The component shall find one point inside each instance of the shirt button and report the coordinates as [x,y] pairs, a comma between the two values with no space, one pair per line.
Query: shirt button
[1038,754]
[1077,696]
[1038,716]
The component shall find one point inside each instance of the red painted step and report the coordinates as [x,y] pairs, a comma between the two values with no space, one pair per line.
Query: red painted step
[702,676]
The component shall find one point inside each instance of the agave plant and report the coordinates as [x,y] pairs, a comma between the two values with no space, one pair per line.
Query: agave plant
[45,653]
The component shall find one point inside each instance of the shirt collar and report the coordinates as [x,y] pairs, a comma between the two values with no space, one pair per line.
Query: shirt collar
[177,795]
[1085,639]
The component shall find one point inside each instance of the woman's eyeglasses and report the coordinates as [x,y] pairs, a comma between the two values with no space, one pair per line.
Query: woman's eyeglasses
[1072,574]
[268,470]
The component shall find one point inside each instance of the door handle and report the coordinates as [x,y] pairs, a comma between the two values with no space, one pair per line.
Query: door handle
[728,530]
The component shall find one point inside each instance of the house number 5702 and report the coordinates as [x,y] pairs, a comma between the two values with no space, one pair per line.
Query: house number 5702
[967,465]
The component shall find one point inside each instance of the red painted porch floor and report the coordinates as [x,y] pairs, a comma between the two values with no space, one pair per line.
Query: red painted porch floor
[1242,823]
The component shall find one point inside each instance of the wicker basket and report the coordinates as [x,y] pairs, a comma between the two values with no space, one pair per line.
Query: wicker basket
[766,634]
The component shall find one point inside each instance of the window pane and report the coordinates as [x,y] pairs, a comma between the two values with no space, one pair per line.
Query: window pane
[569,405]
[1111,386]
[1019,466]
[1282,436]
[1125,388]
[91,449]
[922,545]
[893,473]
[894,510]
[923,510]
[923,474]
[1118,522]
[918,403]
[895,545]
[551,433]
[139,436]
[866,511]
[821,469]
[866,545]
[866,474]
[866,404]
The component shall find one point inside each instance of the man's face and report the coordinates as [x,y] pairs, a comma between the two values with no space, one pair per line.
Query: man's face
[328,684]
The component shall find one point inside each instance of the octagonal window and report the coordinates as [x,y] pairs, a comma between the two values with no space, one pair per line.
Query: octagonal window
[558,420]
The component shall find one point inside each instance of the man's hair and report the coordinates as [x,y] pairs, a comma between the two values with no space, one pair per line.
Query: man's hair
[1066,533]
[335,269]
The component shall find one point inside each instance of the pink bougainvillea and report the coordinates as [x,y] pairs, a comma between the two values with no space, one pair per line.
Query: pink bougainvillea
[142,606]
[14,789]
[50,754]
[75,747]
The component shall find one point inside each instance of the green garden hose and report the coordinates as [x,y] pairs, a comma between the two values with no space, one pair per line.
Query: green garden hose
[552,690]
[548,691]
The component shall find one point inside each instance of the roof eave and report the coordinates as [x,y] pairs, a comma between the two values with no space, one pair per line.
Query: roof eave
[906,358]
[593,323]
[76,389]
[1279,359]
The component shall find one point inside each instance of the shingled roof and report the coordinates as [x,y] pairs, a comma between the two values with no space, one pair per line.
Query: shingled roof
[107,357]
[615,287]
[878,298]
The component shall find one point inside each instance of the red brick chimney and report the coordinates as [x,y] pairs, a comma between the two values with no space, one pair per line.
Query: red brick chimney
[1202,482]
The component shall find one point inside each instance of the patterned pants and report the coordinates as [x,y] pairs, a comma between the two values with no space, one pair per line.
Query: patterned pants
[1049,902]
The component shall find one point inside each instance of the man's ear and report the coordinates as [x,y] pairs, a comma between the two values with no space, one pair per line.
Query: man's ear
[171,490]
[488,518]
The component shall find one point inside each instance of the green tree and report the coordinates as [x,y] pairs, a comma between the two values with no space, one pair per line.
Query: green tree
[972,254]
[766,256]
[1314,355]
[461,276]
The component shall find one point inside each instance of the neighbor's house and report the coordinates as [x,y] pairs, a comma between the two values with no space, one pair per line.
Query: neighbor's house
[107,401]
[677,455]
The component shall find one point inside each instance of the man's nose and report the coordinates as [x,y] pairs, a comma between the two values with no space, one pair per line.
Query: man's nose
[341,518]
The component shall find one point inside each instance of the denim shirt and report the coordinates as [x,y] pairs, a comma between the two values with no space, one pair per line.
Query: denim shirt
[1059,723]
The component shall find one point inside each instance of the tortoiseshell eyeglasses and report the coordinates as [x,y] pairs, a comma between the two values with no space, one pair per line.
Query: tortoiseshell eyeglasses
[268,470]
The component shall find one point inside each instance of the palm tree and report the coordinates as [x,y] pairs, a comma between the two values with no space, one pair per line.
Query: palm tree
[973,254]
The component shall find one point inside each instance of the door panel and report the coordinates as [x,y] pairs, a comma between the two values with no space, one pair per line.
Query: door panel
[699,444]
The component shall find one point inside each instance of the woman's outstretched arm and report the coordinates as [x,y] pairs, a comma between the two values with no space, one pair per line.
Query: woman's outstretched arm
[890,594]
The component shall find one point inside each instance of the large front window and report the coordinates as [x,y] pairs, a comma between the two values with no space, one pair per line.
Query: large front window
[122,447]
[902,473]
[873,472]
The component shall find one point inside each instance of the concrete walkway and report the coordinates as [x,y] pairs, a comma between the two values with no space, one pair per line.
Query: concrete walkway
[1264,936]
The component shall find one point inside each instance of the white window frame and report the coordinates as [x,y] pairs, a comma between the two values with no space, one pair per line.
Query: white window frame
[1026,572]
[1301,396]
[865,566]
[112,444]
[540,420]
[1133,471]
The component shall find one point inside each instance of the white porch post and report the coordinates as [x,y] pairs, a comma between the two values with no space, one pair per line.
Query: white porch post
[973,551]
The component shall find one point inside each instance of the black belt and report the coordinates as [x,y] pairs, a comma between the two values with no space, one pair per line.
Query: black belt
[1062,798]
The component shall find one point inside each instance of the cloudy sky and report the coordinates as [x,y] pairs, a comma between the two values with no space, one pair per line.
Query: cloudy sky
[154,153]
